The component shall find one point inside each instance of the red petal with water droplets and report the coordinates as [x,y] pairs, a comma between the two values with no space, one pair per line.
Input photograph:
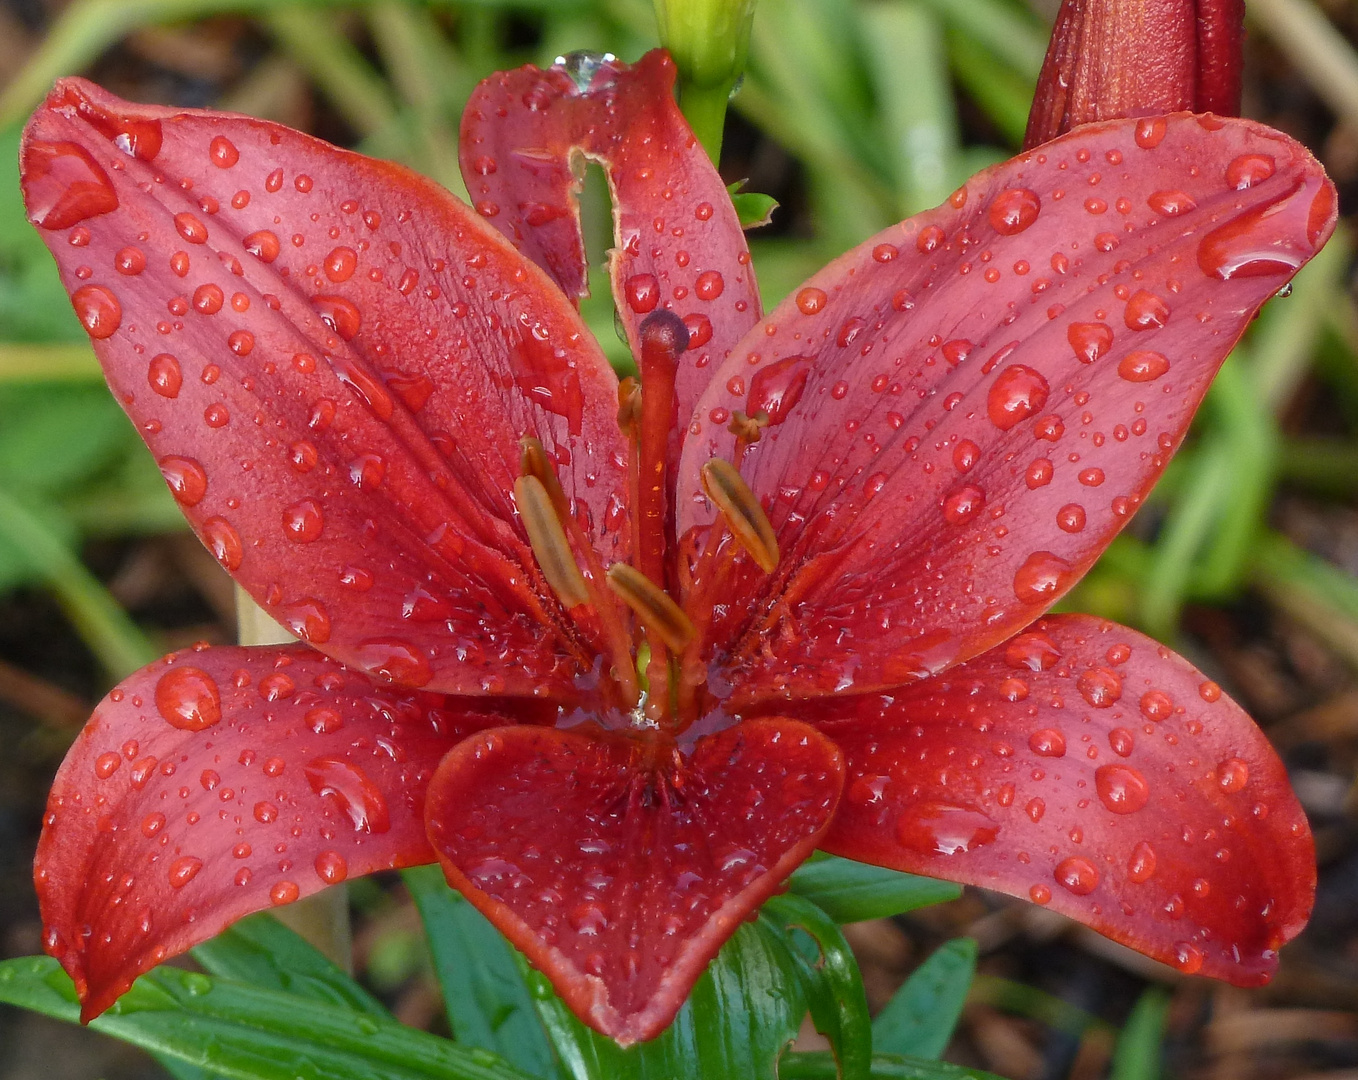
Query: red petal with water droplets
[988,390]
[620,867]
[333,360]
[212,784]
[1109,59]
[1088,768]
[679,242]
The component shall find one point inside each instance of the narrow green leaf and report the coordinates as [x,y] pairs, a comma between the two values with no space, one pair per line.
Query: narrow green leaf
[743,1012]
[484,993]
[262,951]
[1137,1054]
[244,1032]
[821,1066]
[921,1016]
[852,891]
[834,985]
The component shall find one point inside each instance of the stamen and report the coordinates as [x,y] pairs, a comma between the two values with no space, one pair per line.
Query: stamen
[652,605]
[534,462]
[549,543]
[746,518]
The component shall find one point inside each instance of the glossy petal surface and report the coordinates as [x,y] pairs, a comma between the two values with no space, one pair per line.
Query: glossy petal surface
[213,784]
[972,403]
[333,361]
[1087,768]
[679,243]
[619,868]
[1110,59]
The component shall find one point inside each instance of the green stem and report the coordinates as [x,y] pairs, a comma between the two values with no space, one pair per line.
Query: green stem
[704,107]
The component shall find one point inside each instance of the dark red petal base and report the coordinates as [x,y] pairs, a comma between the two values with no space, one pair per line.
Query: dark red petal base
[1087,768]
[620,867]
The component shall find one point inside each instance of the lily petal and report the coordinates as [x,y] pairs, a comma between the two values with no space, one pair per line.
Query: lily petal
[1086,767]
[212,784]
[334,361]
[620,875]
[679,243]
[971,404]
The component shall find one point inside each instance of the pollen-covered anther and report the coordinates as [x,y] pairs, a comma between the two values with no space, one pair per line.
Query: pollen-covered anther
[534,462]
[549,543]
[744,516]
[651,605]
[629,406]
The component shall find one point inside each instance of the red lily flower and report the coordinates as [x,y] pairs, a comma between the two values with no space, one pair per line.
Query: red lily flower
[817,533]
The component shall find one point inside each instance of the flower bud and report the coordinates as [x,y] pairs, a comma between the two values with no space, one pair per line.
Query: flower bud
[1116,58]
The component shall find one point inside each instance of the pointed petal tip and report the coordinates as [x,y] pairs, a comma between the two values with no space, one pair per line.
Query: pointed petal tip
[620,867]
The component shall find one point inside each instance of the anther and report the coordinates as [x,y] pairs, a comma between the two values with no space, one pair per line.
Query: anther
[549,543]
[629,405]
[748,428]
[651,605]
[534,462]
[745,517]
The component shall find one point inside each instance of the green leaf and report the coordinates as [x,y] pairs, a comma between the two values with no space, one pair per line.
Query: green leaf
[245,1032]
[1137,1054]
[921,1016]
[754,209]
[743,1012]
[262,951]
[834,985]
[852,891]
[484,992]
[821,1066]
[53,437]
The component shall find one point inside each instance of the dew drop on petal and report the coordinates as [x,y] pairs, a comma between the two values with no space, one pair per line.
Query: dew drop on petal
[186,477]
[187,698]
[1042,577]
[98,310]
[1141,865]
[1047,742]
[1232,775]
[1143,365]
[1077,875]
[1014,210]
[183,870]
[1017,393]
[1122,789]
[352,790]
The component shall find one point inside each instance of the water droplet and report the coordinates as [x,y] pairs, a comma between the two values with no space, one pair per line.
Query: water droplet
[331,867]
[709,285]
[642,292]
[1040,894]
[323,720]
[222,152]
[937,828]
[1089,340]
[1156,706]
[308,619]
[1232,775]
[1017,393]
[341,315]
[283,892]
[263,245]
[183,870]
[130,261]
[98,311]
[1034,651]
[1141,865]
[106,764]
[1122,741]
[1077,875]
[1042,577]
[1100,687]
[188,699]
[63,185]
[1250,245]
[223,541]
[1209,691]
[1071,518]
[1014,210]
[152,823]
[303,521]
[810,301]
[1121,788]
[395,661]
[190,228]
[1249,169]
[1188,958]
[1143,365]
[1150,130]
[1048,742]
[341,263]
[1145,311]
[776,388]
[962,504]
[352,790]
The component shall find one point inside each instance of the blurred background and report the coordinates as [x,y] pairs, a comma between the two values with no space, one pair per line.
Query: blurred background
[852,116]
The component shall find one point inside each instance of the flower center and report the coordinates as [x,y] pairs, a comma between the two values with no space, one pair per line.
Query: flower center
[657,666]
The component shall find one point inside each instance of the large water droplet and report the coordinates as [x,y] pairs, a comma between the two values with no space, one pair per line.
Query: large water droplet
[98,311]
[188,699]
[186,477]
[353,790]
[1017,393]
[1014,210]
[937,828]
[1121,788]
[63,185]
[1077,875]
[1041,578]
